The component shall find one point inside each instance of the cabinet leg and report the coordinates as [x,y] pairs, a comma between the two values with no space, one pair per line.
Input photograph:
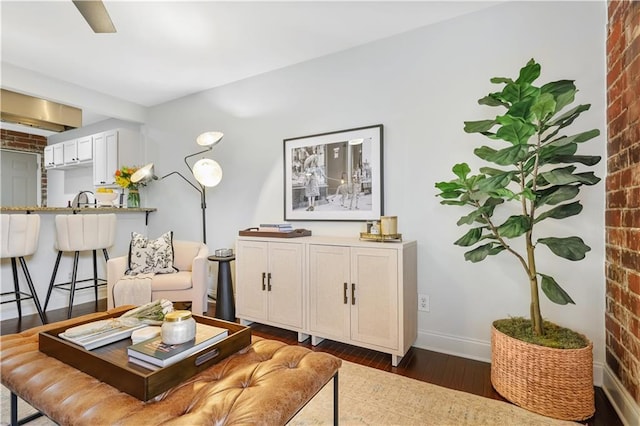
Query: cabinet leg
[302,337]
[315,341]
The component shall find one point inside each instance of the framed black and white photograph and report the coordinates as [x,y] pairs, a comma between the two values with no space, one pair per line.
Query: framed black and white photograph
[334,176]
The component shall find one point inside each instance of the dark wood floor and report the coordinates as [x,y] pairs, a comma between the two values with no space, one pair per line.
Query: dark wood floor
[428,366]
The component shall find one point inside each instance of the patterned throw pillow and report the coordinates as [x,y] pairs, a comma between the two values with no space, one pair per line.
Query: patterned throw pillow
[151,256]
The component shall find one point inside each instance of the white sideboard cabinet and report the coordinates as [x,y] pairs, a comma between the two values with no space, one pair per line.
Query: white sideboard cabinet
[269,283]
[357,292]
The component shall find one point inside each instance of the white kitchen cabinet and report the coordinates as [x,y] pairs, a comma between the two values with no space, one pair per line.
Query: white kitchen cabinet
[70,152]
[357,292]
[269,283]
[111,150]
[85,149]
[53,156]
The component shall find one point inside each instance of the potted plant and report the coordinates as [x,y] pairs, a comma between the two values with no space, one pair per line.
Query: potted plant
[534,176]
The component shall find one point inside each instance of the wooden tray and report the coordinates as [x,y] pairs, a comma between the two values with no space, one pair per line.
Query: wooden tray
[110,363]
[253,232]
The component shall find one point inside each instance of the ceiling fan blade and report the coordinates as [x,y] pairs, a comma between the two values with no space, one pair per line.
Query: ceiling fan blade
[96,15]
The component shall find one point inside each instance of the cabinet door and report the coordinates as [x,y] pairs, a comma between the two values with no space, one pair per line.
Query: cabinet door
[48,156]
[99,161]
[284,284]
[70,152]
[105,157]
[58,154]
[374,310]
[84,148]
[251,279]
[112,164]
[329,291]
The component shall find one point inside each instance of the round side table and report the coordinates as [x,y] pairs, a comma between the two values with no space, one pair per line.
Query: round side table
[225,305]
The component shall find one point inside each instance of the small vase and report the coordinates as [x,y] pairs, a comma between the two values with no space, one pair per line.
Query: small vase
[133,198]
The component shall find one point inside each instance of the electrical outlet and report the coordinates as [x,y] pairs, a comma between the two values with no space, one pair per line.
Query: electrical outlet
[423,302]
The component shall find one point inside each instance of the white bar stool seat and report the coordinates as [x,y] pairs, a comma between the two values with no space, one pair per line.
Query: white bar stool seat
[76,233]
[20,233]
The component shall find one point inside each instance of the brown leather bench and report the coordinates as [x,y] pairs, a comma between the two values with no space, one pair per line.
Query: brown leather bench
[266,383]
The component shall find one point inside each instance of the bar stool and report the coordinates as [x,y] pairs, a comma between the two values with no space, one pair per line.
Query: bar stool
[20,234]
[76,233]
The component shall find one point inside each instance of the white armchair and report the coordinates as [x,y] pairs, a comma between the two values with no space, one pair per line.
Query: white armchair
[189,284]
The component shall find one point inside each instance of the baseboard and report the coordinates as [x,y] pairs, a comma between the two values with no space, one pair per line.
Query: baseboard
[627,409]
[479,350]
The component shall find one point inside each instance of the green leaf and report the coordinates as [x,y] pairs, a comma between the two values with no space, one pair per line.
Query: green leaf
[453,203]
[479,126]
[504,157]
[449,186]
[570,248]
[563,91]
[514,226]
[516,133]
[461,170]
[529,73]
[518,92]
[499,80]
[479,253]
[544,107]
[561,212]
[587,160]
[492,100]
[490,170]
[495,182]
[470,238]
[470,218]
[580,137]
[557,194]
[554,292]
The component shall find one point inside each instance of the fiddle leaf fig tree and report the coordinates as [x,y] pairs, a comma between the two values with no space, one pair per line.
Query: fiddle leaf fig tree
[534,176]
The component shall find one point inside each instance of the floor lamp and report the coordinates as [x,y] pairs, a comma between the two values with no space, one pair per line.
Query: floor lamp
[207,172]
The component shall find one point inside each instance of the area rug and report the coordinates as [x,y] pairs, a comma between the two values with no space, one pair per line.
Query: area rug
[374,397]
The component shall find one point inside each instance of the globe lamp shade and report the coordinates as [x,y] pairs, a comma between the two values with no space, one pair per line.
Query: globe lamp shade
[143,174]
[208,172]
[209,138]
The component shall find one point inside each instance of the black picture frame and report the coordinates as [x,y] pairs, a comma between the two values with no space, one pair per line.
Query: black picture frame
[334,176]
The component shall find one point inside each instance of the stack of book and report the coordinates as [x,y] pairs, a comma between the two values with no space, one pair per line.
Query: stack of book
[275,227]
[153,354]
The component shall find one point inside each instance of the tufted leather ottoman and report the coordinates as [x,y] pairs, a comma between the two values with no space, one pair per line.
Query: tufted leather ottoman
[266,383]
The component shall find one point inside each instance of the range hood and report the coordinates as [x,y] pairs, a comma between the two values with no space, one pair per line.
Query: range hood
[43,114]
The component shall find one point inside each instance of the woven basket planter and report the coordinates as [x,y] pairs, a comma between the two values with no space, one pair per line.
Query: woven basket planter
[556,383]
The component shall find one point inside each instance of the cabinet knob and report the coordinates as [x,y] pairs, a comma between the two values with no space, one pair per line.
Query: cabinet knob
[269,281]
[264,286]
[346,299]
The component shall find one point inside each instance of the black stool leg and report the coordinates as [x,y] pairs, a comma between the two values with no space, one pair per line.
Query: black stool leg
[74,275]
[16,286]
[32,289]
[95,275]
[53,280]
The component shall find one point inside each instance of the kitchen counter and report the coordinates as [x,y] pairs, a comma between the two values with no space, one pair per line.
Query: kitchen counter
[75,210]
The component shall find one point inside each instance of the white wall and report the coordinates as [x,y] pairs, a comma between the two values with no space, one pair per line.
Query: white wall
[421,86]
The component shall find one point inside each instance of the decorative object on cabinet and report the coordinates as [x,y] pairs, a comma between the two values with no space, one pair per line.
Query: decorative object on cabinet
[206,171]
[334,176]
[536,176]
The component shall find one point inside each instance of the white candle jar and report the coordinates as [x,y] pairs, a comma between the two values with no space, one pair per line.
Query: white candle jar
[178,327]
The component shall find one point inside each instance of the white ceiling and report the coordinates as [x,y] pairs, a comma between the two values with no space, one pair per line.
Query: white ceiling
[164,50]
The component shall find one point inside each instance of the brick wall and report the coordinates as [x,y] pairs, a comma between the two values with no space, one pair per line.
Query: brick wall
[622,223]
[25,142]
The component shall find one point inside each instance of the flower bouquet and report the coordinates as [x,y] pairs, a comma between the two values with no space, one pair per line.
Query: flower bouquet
[123,179]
